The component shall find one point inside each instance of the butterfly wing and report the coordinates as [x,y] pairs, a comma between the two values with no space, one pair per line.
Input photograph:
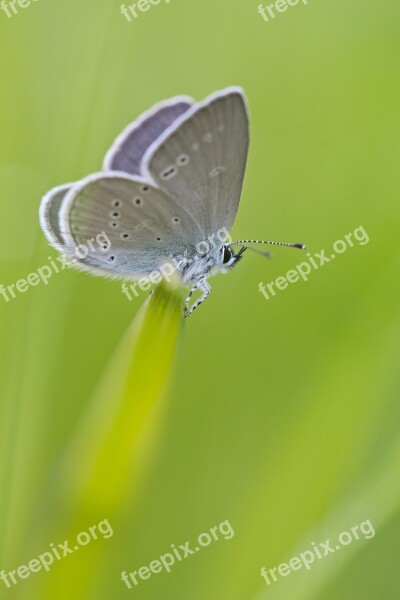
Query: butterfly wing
[127,151]
[125,154]
[144,226]
[49,213]
[147,224]
[200,159]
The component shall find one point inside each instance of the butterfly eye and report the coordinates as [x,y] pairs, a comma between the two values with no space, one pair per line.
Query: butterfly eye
[227,255]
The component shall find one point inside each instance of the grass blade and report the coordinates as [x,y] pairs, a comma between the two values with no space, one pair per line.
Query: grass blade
[103,468]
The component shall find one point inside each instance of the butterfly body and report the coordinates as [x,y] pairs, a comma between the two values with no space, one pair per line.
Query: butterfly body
[206,266]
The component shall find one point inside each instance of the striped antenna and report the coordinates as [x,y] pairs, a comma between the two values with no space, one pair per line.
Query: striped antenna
[289,245]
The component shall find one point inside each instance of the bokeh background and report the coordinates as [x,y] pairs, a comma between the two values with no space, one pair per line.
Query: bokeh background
[282,416]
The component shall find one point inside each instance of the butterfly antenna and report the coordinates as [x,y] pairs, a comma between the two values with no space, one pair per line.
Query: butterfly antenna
[256,250]
[289,245]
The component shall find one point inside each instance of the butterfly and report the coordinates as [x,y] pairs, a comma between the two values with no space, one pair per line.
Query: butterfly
[171,183]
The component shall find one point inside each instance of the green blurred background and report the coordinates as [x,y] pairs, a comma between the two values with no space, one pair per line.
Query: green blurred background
[282,416]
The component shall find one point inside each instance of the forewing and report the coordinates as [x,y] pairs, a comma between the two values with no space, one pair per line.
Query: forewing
[144,226]
[130,146]
[200,160]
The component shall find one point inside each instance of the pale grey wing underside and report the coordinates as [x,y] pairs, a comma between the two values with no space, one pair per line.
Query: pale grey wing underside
[195,156]
[49,215]
[127,152]
[144,225]
[200,160]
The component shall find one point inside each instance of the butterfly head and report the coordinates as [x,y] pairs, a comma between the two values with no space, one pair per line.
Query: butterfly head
[229,258]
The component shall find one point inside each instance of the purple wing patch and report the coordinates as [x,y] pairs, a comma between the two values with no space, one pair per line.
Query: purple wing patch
[127,151]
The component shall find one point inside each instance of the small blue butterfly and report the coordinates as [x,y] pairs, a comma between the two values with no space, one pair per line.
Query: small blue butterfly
[172,180]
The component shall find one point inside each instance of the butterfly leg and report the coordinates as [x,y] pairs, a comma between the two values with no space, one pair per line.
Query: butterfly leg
[205,288]
[188,298]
